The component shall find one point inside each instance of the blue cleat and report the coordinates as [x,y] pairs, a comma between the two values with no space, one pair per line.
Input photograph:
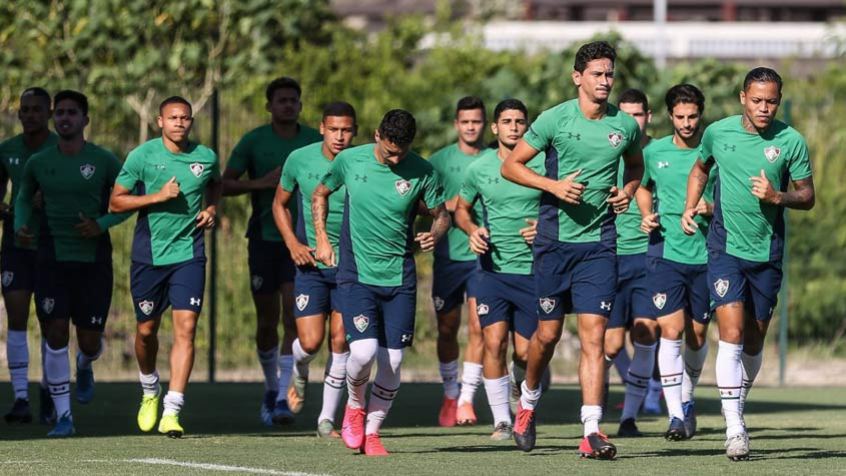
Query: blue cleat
[268,404]
[282,415]
[689,418]
[64,427]
[676,431]
[84,383]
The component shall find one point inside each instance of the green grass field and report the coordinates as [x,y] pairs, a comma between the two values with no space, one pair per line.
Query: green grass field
[793,431]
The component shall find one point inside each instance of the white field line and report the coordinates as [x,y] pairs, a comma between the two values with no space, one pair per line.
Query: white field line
[205,466]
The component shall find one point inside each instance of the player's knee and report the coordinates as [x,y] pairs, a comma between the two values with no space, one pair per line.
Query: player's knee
[394,359]
[311,345]
[363,352]
[548,337]
[339,344]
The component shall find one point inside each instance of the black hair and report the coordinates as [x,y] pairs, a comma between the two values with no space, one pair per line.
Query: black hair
[593,51]
[175,100]
[469,103]
[762,75]
[634,96]
[509,104]
[399,127]
[282,83]
[684,94]
[75,96]
[339,109]
[37,92]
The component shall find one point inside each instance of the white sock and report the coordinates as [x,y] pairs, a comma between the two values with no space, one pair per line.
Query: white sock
[83,360]
[750,364]
[270,367]
[57,368]
[362,355]
[591,415]
[17,355]
[497,390]
[637,380]
[173,402]
[529,398]
[43,363]
[301,360]
[384,389]
[671,367]
[694,360]
[449,374]
[622,362]
[149,382]
[286,369]
[729,382]
[333,385]
[470,380]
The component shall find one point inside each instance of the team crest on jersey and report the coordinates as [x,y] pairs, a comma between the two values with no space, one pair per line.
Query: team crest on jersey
[615,139]
[87,171]
[403,186]
[146,307]
[361,322]
[722,287]
[771,153]
[47,304]
[659,299]
[439,303]
[302,301]
[7,278]
[547,304]
[197,169]
[257,282]
[482,309]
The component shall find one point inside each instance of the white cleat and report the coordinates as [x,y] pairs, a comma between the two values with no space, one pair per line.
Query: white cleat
[737,447]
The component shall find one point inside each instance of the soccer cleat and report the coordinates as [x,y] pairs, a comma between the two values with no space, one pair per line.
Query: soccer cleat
[46,408]
[502,431]
[596,445]
[267,406]
[373,446]
[737,447]
[297,394]
[676,431]
[449,408]
[352,429]
[148,413]
[326,429]
[465,415]
[169,425]
[689,419]
[20,412]
[84,383]
[64,427]
[628,429]
[282,414]
[524,429]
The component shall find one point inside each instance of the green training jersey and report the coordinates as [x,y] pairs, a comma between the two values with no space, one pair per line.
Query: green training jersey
[630,239]
[742,225]
[300,176]
[572,143]
[13,156]
[71,185]
[666,168]
[258,153]
[505,208]
[451,165]
[377,233]
[166,233]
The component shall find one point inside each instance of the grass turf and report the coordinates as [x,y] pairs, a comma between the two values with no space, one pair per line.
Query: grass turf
[793,430]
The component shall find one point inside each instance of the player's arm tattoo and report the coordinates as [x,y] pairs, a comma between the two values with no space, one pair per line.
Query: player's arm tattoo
[802,197]
[319,207]
[696,182]
[440,222]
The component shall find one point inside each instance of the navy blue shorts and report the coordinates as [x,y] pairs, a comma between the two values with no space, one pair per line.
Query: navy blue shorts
[675,286]
[632,298]
[503,297]
[451,280]
[377,312]
[576,278]
[81,292]
[18,267]
[270,265]
[155,288]
[733,279]
[315,291]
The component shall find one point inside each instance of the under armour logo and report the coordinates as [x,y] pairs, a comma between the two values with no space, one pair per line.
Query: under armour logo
[493,180]
[605,305]
[663,165]
[96,320]
[313,176]
[195,301]
[570,135]
[406,338]
[729,147]
[361,178]
[454,168]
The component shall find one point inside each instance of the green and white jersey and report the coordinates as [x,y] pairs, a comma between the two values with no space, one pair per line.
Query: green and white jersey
[451,165]
[742,225]
[71,185]
[13,157]
[505,208]
[666,169]
[377,232]
[166,233]
[257,153]
[571,143]
[300,176]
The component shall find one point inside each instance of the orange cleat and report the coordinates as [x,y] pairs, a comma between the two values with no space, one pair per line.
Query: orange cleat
[352,430]
[597,446]
[447,416]
[465,416]
[373,446]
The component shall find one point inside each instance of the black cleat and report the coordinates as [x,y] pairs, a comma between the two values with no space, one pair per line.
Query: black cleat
[20,412]
[597,446]
[524,429]
[46,410]
[628,429]
[676,431]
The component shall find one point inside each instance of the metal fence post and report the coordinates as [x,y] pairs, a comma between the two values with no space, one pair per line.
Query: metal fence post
[215,140]
[784,293]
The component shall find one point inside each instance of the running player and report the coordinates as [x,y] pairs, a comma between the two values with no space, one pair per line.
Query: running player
[262,153]
[756,156]
[170,176]
[385,182]
[575,251]
[676,262]
[74,281]
[314,284]
[18,264]
[505,294]
[454,270]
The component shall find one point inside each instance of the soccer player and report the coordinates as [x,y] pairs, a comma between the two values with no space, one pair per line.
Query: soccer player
[676,262]
[262,153]
[454,272]
[315,284]
[502,238]
[385,183]
[74,257]
[756,157]
[575,250]
[166,180]
[18,263]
